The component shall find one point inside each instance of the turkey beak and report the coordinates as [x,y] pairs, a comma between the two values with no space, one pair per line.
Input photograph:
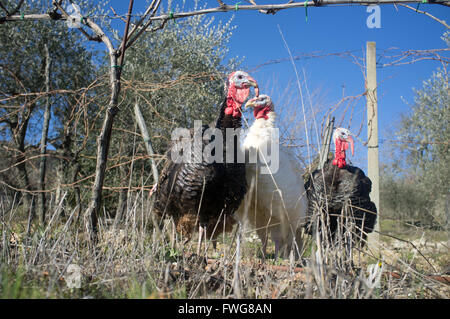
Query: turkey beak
[252,82]
[250,103]
[351,142]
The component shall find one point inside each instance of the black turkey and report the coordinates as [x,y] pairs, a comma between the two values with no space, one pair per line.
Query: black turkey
[203,193]
[340,190]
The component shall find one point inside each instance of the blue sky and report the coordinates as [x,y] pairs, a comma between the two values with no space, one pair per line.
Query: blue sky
[330,30]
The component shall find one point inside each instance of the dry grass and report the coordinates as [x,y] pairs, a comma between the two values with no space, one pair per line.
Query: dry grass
[134,260]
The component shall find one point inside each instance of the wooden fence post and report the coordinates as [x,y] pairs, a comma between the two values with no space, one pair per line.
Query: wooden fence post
[372,137]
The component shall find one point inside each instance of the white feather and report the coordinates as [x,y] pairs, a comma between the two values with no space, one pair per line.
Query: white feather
[275,203]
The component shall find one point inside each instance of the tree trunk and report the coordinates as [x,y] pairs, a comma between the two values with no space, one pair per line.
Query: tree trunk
[78,202]
[19,130]
[104,138]
[43,146]
[123,197]
[103,142]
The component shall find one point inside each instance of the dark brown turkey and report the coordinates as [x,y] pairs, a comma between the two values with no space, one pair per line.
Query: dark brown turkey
[341,190]
[204,193]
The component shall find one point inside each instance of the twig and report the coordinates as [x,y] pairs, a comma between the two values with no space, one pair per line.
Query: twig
[407,241]
[425,13]
[13,11]
[96,38]
[142,29]
[125,36]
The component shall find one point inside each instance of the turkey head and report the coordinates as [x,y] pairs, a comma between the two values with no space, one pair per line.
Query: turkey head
[262,105]
[239,84]
[342,139]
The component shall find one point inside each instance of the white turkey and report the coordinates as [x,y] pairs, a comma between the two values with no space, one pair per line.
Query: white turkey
[276,202]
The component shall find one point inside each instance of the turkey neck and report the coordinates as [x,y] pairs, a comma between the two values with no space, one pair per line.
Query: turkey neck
[225,121]
[268,120]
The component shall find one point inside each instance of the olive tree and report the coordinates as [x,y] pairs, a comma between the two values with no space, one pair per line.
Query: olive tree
[32,88]
[417,183]
[175,76]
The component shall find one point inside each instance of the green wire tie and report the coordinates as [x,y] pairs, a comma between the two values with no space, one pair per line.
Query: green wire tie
[236,7]
[116,66]
[21,16]
[172,17]
[306,11]
[81,20]
[423,1]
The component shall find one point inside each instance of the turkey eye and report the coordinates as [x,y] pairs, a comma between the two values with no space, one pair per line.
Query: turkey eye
[239,77]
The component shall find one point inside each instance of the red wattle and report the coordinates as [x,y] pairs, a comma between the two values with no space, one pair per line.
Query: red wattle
[229,110]
[339,155]
[241,95]
[261,113]
[235,99]
[233,108]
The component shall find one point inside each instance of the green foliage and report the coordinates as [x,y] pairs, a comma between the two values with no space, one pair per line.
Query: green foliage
[428,134]
[15,284]
[396,199]
[22,93]
[176,75]
[416,184]
[22,63]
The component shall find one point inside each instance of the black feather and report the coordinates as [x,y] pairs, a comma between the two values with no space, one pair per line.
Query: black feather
[337,190]
[186,191]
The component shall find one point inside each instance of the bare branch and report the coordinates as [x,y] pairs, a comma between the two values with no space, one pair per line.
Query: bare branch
[145,135]
[427,14]
[262,11]
[142,29]
[146,13]
[270,8]
[273,8]
[4,9]
[125,35]
[45,127]
[17,8]
[66,15]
